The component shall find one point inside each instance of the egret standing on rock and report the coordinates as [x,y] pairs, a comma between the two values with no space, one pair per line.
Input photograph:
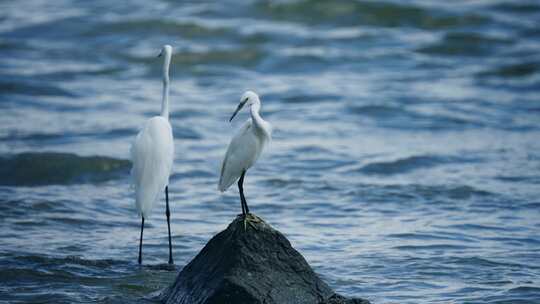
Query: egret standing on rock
[245,147]
[152,155]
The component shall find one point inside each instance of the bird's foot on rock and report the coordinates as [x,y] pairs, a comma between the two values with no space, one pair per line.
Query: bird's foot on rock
[252,220]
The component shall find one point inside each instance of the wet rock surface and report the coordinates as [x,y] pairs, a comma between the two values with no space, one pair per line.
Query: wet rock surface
[250,262]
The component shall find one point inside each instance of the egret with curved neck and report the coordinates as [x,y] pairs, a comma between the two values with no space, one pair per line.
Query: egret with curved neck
[152,154]
[245,147]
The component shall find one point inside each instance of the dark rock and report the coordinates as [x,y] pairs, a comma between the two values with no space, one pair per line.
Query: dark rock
[250,263]
[339,299]
[51,168]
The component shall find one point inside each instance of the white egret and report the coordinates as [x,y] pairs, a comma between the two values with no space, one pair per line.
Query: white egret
[245,148]
[152,155]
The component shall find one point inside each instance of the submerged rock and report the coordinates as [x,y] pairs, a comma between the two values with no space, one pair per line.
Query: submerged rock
[251,263]
[51,168]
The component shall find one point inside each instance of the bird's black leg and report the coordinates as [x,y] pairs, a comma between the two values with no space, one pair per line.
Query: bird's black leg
[241,190]
[249,218]
[168,214]
[245,209]
[140,242]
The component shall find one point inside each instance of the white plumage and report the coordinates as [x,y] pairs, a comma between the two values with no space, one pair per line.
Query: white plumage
[152,156]
[246,146]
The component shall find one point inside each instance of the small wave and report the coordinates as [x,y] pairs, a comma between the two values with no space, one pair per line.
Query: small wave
[32,89]
[163,267]
[420,236]
[431,247]
[525,289]
[70,259]
[185,133]
[32,275]
[464,192]
[186,113]
[239,56]
[476,227]
[398,117]
[281,183]
[312,149]
[301,98]
[374,13]
[516,241]
[533,205]
[518,179]
[406,165]
[161,26]
[41,137]
[50,168]
[517,70]
[75,221]
[465,44]
[194,173]
[244,56]
[82,72]
[8,46]
[319,163]
[447,195]
[478,261]
[518,7]
[375,110]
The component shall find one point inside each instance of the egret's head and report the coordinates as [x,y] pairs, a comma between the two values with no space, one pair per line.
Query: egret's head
[249,98]
[166,51]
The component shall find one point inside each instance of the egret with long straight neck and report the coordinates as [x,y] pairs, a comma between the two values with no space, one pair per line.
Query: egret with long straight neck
[152,154]
[245,147]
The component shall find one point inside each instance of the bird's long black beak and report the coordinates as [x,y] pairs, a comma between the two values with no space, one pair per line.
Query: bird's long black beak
[237,110]
[160,53]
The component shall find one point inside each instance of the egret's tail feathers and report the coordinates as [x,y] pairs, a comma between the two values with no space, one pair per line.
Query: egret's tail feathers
[225,182]
[221,186]
[144,201]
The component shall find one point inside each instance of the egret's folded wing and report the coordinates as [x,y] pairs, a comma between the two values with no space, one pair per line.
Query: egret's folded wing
[152,156]
[240,155]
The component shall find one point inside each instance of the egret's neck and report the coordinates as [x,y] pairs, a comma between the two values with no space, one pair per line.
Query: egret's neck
[165,95]
[258,122]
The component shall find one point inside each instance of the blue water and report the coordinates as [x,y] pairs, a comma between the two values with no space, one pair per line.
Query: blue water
[405,162]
